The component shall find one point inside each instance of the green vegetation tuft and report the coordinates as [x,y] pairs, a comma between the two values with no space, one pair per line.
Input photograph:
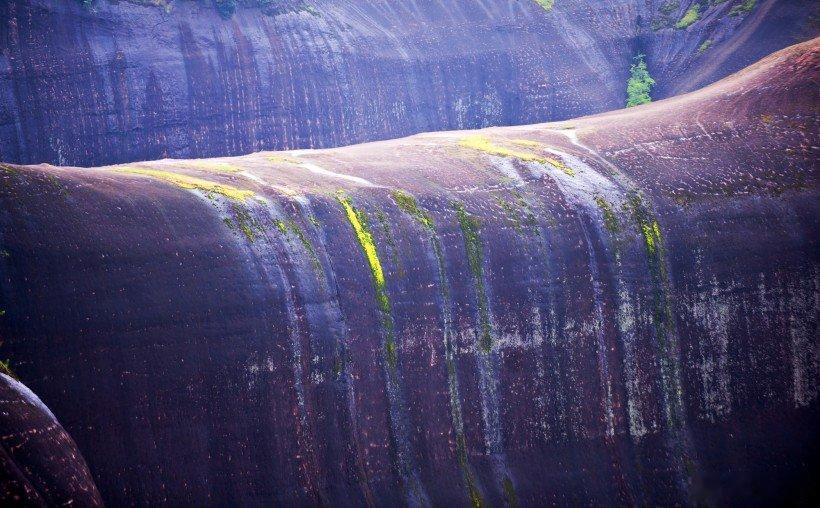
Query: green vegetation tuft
[247,224]
[475,259]
[704,46]
[640,83]
[509,492]
[610,219]
[408,204]
[743,9]
[546,4]
[689,18]
[5,368]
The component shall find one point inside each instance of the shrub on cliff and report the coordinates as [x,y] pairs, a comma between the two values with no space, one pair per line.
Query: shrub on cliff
[692,15]
[639,84]
[743,8]
[546,4]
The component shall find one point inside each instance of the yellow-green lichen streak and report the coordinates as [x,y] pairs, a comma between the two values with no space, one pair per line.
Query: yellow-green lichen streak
[366,242]
[399,433]
[358,221]
[610,219]
[483,144]
[189,182]
[547,5]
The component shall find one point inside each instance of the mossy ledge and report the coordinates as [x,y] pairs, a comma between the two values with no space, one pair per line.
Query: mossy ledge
[484,144]
[475,258]
[210,166]
[189,182]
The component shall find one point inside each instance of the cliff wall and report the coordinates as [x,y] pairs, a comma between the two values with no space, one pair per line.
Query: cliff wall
[619,309]
[125,81]
[39,462]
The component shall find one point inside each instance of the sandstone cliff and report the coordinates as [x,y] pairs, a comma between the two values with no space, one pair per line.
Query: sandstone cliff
[125,81]
[39,463]
[617,309]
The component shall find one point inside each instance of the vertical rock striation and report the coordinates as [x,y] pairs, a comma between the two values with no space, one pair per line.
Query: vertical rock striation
[126,81]
[621,309]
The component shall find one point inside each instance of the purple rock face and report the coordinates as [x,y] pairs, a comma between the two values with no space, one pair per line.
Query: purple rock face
[620,309]
[39,462]
[124,82]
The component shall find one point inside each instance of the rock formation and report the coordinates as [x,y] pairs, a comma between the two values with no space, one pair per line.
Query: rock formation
[39,463]
[620,309]
[126,81]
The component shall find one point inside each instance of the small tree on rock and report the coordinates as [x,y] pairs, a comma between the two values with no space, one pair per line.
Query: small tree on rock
[639,84]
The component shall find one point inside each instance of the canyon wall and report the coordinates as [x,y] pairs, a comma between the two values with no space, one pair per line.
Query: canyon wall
[123,81]
[620,309]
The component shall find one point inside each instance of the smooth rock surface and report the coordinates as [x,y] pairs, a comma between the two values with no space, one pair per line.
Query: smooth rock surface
[39,462]
[619,309]
[125,82]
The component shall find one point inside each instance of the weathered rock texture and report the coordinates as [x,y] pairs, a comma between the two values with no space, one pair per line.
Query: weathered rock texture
[617,310]
[39,463]
[126,82]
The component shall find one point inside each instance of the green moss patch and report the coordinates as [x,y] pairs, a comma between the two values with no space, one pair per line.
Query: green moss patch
[610,219]
[407,203]
[245,222]
[475,257]
[547,5]
[744,8]
[5,368]
[689,18]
